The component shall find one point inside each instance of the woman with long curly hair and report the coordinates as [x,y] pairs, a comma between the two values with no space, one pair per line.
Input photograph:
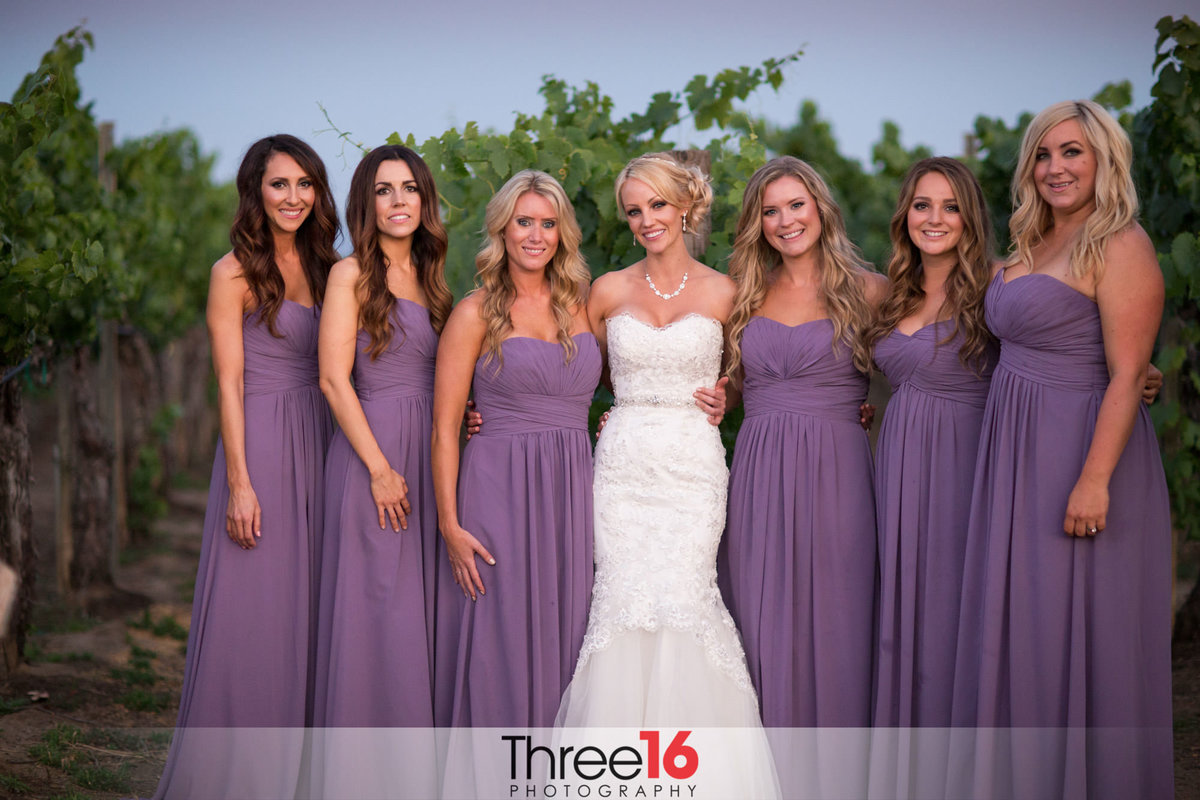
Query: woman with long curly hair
[250,646]
[1064,630]
[931,342]
[798,559]
[383,311]
[516,515]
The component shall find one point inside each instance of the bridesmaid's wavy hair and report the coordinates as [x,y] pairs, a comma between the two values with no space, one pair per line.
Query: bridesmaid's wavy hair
[1116,197]
[682,185]
[251,237]
[841,267]
[428,247]
[967,282]
[567,271]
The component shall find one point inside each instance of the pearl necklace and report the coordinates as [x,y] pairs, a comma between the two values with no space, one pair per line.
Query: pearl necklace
[654,288]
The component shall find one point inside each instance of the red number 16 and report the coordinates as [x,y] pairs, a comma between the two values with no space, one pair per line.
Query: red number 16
[676,750]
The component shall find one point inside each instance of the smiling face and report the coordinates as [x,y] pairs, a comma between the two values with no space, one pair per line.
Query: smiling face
[655,223]
[791,223]
[935,223]
[397,200]
[1064,169]
[531,235]
[287,194]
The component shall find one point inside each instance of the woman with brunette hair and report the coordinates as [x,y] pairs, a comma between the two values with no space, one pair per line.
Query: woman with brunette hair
[250,647]
[931,342]
[1064,631]
[384,309]
[517,516]
[798,559]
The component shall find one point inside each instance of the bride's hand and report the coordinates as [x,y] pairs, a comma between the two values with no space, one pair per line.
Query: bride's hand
[712,401]
[462,548]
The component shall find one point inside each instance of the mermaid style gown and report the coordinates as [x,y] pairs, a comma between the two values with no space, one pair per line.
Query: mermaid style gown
[525,491]
[242,711]
[661,650]
[1064,640]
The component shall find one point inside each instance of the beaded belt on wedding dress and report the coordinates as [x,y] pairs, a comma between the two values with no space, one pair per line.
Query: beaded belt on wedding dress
[655,401]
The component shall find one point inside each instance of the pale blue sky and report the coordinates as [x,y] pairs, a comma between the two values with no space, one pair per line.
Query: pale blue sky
[235,71]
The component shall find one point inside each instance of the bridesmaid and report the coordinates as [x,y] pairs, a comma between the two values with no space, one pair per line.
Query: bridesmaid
[382,314]
[798,558]
[517,516]
[931,342]
[250,643]
[1068,636]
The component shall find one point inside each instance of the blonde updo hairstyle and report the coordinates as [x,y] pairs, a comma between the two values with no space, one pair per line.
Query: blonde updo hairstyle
[682,185]
[567,271]
[841,271]
[1116,197]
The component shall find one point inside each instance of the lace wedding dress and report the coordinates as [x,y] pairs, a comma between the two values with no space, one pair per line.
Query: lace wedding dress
[661,650]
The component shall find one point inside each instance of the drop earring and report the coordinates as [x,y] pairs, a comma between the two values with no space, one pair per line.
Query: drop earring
[685,222]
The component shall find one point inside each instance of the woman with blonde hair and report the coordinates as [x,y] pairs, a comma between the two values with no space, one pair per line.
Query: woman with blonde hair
[798,560]
[661,649]
[516,515]
[1067,637]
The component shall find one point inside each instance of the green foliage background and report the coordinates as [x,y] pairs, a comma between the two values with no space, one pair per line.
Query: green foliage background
[72,254]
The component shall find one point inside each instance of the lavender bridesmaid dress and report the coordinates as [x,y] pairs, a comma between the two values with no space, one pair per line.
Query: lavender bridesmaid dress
[248,677]
[525,491]
[1065,640]
[797,563]
[375,642]
[924,469]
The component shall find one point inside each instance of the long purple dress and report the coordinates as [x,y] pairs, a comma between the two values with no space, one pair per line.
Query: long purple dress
[525,491]
[797,563]
[1065,638]
[924,470]
[253,613]
[377,612]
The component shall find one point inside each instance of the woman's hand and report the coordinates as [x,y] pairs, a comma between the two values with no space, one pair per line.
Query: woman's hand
[866,415]
[462,548]
[472,420]
[390,492]
[1154,382]
[1087,508]
[243,516]
[712,401]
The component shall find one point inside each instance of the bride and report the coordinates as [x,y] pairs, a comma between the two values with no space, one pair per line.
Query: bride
[661,650]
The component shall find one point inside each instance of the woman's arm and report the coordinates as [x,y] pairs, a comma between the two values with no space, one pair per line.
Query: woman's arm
[336,350]
[1129,293]
[458,350]
[227,298]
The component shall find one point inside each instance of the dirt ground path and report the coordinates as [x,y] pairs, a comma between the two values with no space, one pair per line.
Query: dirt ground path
[108,685]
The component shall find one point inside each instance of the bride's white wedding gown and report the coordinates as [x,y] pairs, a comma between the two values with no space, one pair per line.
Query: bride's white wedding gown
[661,650]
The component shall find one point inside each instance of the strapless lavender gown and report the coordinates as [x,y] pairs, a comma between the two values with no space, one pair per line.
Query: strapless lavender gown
[797,564]
[376,631]
[1066,640]
[525,491]
[924,470]
[251,640]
